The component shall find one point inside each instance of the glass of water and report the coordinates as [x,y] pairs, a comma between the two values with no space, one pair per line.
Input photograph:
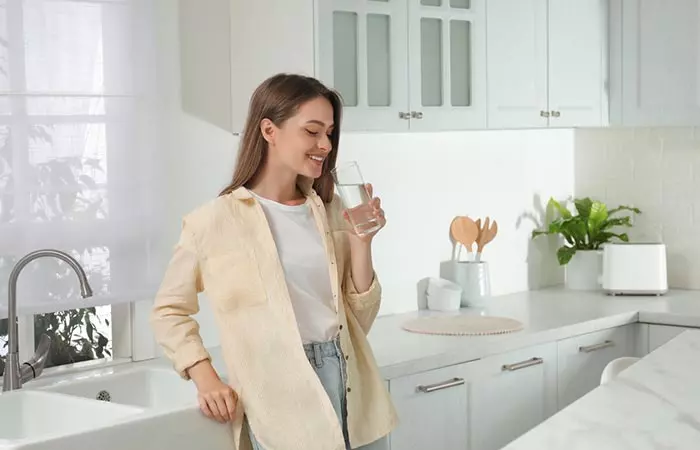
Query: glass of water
[353,192]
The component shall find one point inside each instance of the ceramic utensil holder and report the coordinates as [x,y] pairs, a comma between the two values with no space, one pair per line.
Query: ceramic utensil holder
[474,279]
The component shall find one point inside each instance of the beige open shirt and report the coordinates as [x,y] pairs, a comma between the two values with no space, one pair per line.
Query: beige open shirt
[226,249]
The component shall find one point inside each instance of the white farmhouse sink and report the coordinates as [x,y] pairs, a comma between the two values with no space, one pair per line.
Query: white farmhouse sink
[151,388]
[34,416]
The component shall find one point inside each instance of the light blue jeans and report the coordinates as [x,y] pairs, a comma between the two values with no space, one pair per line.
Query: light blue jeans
[329,363]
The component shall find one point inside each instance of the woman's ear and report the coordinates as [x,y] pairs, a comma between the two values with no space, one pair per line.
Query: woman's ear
[268,129]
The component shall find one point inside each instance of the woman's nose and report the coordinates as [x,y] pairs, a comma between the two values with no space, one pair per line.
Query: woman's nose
[325,144]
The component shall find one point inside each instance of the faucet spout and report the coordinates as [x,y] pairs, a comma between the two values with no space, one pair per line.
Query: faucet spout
[12,378]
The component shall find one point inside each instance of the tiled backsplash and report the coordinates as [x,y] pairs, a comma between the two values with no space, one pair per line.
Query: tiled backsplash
[657,170]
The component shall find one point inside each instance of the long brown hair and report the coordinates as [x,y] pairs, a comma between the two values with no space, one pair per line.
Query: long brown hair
[278,98]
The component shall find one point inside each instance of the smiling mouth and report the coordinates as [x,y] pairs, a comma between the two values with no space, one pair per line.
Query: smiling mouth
[316,158]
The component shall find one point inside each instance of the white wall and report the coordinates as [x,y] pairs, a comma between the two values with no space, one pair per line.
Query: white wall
[424,181]
[657,170]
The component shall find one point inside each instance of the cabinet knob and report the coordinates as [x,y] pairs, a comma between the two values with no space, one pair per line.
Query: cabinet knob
[416,114]
[556,114]
[404,115]
[544,114]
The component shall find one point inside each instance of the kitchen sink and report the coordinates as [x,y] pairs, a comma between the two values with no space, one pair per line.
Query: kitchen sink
[34,416]
[151,388]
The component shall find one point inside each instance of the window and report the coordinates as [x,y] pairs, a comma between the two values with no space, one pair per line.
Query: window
[77,165]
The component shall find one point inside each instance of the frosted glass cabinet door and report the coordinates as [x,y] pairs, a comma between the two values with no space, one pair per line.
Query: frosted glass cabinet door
[362,53]
[447,42]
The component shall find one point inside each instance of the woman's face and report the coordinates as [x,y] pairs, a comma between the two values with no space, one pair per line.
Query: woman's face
[302,143]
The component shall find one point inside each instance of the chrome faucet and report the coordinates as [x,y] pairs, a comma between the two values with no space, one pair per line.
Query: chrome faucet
[14,375]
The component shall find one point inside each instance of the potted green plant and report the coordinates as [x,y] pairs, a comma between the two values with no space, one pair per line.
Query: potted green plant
[584,234]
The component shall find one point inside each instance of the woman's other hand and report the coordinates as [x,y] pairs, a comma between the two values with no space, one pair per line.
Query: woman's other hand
[217,400]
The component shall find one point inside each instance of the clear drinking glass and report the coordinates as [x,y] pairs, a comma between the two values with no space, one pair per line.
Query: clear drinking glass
[353,192]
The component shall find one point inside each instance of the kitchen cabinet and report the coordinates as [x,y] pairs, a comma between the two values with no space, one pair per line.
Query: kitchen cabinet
[546,63]
[432,409]
[583,358]
[405,65]
[655,78]
[660,334]
[228,47]
[509,394]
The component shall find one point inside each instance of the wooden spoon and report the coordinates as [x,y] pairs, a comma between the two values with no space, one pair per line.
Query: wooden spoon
[465,231]
[486,234]
[453,239]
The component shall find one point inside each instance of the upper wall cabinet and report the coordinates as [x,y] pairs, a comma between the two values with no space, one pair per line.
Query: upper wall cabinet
[547,63]
[655,56]
[228,47]
[405,64]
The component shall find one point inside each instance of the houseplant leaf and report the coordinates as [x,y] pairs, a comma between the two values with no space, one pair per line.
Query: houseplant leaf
[583,206]
[616,222]
[564,254]
[597,216]
[624,208]
[565,213]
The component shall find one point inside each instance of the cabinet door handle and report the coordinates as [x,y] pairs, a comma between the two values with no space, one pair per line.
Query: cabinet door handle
[522,364]
[556,114]
[438,386]
[404,115]
[416,114]
[544,114]
[594,347]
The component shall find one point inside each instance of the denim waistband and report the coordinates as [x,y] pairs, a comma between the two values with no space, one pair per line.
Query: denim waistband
[317,350]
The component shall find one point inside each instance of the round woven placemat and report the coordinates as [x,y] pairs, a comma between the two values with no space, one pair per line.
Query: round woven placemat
[463,325]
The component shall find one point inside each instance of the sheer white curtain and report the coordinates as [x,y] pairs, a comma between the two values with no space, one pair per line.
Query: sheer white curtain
[80,164]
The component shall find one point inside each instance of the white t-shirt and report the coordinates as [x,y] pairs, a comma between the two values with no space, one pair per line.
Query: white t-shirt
[305,263]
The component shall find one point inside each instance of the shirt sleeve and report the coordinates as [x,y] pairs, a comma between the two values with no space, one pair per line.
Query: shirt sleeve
[364,305]
[176,301]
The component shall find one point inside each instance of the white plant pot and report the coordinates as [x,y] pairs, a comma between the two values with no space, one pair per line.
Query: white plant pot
[585,270]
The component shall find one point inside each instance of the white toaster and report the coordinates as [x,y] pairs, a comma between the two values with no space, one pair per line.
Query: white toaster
[634,269]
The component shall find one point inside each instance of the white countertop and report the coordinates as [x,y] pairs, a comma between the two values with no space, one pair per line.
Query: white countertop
[547,315]
[654,404]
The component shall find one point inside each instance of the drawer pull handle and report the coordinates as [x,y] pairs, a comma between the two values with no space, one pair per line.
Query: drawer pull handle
[594,347]
[438,386]
[522,364]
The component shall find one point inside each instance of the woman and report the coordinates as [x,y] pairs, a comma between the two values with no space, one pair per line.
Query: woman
[292,287]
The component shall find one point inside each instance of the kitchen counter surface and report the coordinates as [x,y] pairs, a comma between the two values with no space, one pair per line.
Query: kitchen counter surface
[547,315]
[654,404]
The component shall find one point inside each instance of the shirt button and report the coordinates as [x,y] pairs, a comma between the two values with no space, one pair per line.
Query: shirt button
[341,327]
[349,389]
[346,357]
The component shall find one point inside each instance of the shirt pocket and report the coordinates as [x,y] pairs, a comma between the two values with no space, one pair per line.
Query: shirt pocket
[232,281]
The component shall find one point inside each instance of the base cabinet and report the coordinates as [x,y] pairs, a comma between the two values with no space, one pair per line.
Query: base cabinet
[432,409]
[661,334]
[583,358]
[509,394]
[487,403]
[480,405]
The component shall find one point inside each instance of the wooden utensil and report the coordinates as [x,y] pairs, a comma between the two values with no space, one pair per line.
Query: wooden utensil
[453,239]
[465,231]
[486,234]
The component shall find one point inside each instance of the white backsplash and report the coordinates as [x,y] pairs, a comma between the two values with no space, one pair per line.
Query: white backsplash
[657,170]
